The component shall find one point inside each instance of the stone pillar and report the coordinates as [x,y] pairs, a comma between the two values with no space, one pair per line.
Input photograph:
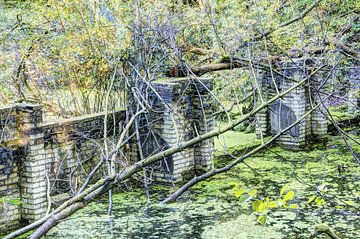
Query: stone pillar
[9,190]
[182,113]
[203,123]
[175,131]
[287,110]
[33,168]
[173,126]
[292,107]
[319,122]
[262,117]
[353,102]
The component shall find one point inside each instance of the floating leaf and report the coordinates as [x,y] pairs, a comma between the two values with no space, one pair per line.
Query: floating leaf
[289,195]
[253,193]
[293,206]
[239,192]
[262,219]
[273,204]
[312,198]
[259,206]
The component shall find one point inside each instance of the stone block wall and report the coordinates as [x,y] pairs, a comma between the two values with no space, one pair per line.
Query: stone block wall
[73,147]
[39,159]
[9,179]
[182,111]
[287,110]
[32,171]
[10,215]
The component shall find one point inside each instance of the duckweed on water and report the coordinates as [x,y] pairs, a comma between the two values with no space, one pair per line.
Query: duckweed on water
[210,209]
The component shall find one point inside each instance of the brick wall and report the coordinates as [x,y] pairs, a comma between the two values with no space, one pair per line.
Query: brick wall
[9,190]
[292,106]
[182,111]
[38,159]
[33,153]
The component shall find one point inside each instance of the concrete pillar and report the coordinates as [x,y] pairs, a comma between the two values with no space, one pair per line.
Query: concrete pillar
[353,102]
[295,101]
[203,123]
[187,114]
[33,167]
[319,122]
[262,117]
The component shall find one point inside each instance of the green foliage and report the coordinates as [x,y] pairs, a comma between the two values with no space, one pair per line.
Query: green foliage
[261,205]
[318,200]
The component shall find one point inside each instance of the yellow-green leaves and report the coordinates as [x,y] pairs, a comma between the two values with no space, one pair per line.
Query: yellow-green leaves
[318,200]
[12,201]
[259,206]
[262,219]
[239,192]
[312,198]
[289,196]
[253,193]
[273,204]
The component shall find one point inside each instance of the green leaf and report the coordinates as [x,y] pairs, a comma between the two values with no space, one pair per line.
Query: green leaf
[319,201]
[273,204]
[312,198]
[259,206]
[238,193]
[262,219]
[289,196]
[256,204]
[293,206]
[253,193]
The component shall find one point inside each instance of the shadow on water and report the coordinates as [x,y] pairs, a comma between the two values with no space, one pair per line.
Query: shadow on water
[210,209]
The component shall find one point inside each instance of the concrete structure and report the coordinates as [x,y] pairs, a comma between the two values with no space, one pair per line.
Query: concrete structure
[181,111]
[292,106]
[41,158]
[38,158]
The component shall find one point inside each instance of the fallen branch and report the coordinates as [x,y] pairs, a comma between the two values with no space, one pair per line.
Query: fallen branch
[226,168]
[105,184]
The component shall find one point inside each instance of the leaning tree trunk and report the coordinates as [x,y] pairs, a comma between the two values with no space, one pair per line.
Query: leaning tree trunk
[81,200]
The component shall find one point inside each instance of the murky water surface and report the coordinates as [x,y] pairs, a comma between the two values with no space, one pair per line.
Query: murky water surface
[210,209]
